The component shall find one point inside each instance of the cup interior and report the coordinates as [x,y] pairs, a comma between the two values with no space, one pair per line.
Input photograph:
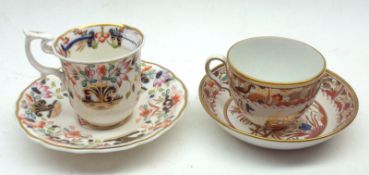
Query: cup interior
[276,60]
[98,42]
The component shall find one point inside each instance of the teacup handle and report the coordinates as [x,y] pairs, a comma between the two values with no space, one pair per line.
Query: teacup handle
[45,39]
[220,58]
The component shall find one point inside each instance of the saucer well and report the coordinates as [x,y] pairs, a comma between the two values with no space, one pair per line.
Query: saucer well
[45,115]
[335,107]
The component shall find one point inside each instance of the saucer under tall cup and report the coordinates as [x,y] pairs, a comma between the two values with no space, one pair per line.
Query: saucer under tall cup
[100,69]
[46,117]
[273,80]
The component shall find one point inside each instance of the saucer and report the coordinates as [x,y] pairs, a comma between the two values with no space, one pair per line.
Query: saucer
[335,107]
[45,115]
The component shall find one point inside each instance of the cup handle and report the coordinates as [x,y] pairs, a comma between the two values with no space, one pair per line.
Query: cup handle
[220,58]
[45,39]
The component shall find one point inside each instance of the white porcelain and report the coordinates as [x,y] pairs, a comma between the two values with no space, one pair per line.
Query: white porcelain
[276,59]
[46,116]
[100,69]
[334,108]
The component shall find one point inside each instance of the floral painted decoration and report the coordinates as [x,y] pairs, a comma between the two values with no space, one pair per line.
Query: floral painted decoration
[310,125]
[100,83]
[336,102]
[80,39]
[162,100]
[274,107]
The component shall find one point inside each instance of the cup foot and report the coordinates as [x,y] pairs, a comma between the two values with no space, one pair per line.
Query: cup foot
[311,124]
[276,125]
[281,124]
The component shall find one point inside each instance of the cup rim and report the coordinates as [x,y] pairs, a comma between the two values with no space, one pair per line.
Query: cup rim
[258,81]
[86,61]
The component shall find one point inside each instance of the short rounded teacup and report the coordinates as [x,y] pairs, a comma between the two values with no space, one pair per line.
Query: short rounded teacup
[272,79]
[100,69]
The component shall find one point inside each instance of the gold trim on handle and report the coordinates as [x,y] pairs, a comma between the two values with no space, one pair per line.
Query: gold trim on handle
[210,74]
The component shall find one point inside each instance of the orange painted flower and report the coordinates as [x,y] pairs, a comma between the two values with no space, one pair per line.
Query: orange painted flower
[176,98]
[41,124]
[72,134]
[277,98]
[145,112]
[101,36]
[101,70]
[256,97]
[146,68]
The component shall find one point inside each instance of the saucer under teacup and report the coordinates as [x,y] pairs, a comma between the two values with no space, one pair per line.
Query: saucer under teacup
[335,107]
[45,115]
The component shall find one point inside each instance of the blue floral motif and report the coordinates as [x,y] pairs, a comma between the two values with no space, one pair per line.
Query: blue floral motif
[305,127]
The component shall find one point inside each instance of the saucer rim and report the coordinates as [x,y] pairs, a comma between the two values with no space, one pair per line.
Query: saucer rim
[139,142]
[219,121]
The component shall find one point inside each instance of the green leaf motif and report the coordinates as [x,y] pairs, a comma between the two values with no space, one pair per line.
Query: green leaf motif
[113,79]
[114,45]
[50,131]
[152,91]
[111,67]
[82,73]
[84,83]
[128,94]
[98,141]
[94,44]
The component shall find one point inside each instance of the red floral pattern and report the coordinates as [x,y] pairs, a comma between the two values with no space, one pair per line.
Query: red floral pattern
[310,125]
[159,109]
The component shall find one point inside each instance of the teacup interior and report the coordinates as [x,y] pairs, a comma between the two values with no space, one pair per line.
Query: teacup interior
[275,59]
[98,42]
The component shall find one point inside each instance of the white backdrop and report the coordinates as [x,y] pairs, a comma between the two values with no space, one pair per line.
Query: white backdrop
[180,35]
